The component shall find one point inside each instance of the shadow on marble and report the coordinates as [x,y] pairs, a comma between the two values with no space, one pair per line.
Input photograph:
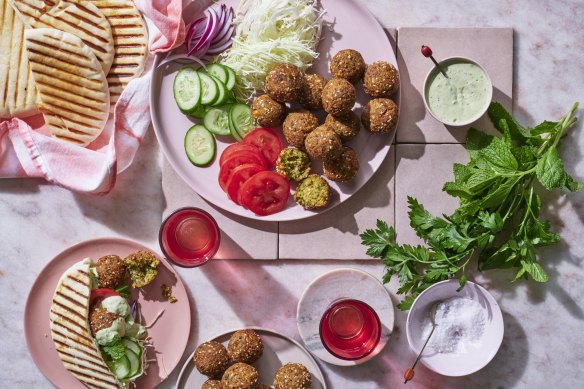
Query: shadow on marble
[243,285]
[229,249]
[412,98]
[19,186]
[134,206]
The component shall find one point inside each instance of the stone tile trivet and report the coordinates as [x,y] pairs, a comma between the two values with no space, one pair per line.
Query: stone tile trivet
[335,285]
[490,47]
[421,171]
[240,238]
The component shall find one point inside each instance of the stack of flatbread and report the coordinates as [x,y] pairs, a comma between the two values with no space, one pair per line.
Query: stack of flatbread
[69,60]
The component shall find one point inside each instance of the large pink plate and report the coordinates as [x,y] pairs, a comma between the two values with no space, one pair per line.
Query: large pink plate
[169,335]
[348,24]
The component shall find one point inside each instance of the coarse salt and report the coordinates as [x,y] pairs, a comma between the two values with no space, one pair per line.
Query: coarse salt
[460,323]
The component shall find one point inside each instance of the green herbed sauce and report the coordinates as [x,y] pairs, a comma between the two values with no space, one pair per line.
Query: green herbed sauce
[460,97]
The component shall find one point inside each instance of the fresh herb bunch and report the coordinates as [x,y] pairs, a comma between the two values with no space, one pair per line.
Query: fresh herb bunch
[498,219]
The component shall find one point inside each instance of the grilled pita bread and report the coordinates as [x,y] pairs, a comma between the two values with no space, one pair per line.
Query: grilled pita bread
[77,17]
[73,94]
[17,90]
[69,321]
[130,43]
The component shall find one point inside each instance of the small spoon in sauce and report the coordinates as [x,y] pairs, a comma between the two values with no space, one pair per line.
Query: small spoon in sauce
[427,52]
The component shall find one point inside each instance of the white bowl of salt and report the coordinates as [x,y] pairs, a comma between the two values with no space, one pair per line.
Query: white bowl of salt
[469,328]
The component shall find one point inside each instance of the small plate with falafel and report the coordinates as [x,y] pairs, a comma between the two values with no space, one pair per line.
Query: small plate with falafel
[252,357]
[336,121]
[107,312]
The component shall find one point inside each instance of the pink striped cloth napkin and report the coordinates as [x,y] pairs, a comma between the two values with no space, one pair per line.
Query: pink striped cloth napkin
[26,150]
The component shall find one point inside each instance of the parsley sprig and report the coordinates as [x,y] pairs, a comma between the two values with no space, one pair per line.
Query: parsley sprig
[498,219]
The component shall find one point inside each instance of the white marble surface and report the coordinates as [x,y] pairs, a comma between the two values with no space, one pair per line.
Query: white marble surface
[543,346]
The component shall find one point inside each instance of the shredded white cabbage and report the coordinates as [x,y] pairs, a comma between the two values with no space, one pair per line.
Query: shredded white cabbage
[268,33]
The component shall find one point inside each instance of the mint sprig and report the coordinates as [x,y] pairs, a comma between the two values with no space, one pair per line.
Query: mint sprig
[498,219]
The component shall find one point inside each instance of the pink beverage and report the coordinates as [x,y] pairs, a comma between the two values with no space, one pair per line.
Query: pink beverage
[189,237]
[350,329]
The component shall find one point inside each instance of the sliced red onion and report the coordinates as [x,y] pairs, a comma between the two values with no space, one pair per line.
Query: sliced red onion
[183,59]
[208,36]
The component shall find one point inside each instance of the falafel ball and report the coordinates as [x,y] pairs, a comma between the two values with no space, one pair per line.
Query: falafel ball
[212,384]
[245,346]
[101,318]
[346,127]
[143,267]
[348,64]
[313,192]
[338,97]
[284,83]
[323,143]
[297,126]
[293,164]
[211,359]
[381,79]
[311,95]
[111,271]
[240,376]
[293,375]
[380,115]
[268,112]
[343,168]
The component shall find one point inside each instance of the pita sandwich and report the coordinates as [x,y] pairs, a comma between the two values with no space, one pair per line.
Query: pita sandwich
[71,332]
[72,89]
[130,43]
[78,17]
[17,90]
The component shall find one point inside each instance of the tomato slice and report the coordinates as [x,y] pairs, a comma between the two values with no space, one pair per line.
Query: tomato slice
[238,176]
[238,159]
[265,193]
[268,141]
[236,148]
[101,293]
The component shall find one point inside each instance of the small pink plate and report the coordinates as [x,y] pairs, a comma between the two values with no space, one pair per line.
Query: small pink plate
[169,334]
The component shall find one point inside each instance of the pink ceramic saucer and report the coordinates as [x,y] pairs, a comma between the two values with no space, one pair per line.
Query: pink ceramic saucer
[169,334]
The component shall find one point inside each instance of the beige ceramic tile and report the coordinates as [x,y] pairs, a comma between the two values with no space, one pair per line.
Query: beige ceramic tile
[335,233]
[421,171]
[240,238]
[491,47]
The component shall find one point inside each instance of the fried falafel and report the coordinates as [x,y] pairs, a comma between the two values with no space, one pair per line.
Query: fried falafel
[349,65]
[293,164]
[380,115]
[323,143]
[245,346]
[268,112]
[343,168]
[338,97]
[346,126]
[284,83]
[111,271]
[381,79]
[100,318]
[293,375]
[311,95]
[297,126]
[240,376]
[313,192]
[211,359]
[143,267]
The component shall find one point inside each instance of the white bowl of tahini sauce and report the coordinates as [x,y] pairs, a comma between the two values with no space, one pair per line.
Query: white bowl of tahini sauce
[462,96]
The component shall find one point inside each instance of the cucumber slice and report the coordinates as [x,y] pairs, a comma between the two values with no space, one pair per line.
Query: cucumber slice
[231,78]
[132,346]
[218,71]
[135,363]
[216,120]
[121,367]
[209,89]
[241,119]
[199,113]
[223,92]
[199,145]
[187,89]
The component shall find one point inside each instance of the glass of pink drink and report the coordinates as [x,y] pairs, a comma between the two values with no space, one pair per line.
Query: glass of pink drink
[189,237]
[350,329]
